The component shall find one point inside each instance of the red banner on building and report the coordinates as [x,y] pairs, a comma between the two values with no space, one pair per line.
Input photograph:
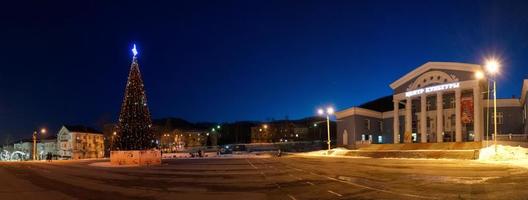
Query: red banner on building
[467,109]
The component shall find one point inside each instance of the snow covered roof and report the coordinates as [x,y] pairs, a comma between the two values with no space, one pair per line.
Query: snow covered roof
[82,129]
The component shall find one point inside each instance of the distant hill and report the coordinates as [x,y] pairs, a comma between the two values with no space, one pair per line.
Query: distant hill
[173,123]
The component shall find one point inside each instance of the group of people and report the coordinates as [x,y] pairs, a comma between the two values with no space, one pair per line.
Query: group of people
[49,157]
[199,153]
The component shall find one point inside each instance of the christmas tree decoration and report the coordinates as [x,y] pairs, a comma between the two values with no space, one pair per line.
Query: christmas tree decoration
[134,127]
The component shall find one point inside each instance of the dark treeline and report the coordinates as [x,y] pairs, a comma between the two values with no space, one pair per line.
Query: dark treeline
[240,132]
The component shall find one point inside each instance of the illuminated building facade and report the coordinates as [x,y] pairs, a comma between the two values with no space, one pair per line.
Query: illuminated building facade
[307,129]
[79,142]
[179,139]
[436,102]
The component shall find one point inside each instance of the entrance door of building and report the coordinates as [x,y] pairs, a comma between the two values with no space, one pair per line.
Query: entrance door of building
[345,137]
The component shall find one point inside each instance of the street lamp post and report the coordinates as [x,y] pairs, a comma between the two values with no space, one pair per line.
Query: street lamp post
[495,114]
[113,140]
[329,111]
[492,68]
[215,134]
[42,131]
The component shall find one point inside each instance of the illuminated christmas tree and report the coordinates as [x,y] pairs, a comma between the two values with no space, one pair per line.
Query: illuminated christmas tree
[134,126]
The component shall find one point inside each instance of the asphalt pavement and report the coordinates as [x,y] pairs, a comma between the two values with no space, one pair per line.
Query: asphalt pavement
[289,178]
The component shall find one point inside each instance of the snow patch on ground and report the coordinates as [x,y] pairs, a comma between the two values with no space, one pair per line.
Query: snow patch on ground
[227,156]
[444,159]
[503,153]
[509,155]
[108,164]
[336,152]
[452,179]
[506,155]
[333,152]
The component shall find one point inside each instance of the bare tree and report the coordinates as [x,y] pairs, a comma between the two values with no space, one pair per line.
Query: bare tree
[8,139]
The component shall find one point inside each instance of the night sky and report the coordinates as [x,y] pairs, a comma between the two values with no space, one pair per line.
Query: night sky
[224,61]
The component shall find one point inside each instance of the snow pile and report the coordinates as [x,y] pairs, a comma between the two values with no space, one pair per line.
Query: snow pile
[333,152]
[338,151]
[504,153]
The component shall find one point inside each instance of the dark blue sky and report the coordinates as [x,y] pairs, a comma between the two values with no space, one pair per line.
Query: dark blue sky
[67,63]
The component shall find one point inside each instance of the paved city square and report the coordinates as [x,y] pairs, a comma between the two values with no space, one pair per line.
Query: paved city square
[290,177]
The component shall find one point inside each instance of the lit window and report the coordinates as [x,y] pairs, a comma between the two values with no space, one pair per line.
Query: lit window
[429,106]
[363,137]
[380,139]
[451,102]
[367,124]
[500,118]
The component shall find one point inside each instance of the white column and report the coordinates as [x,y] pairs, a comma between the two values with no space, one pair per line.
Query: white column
[477,113]
[423,118]
[439,117]
[396,120]
[408,117]
[458,118]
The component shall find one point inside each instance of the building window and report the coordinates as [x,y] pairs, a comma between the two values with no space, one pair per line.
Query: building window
[500,118]
[363,137]
[367,124]
[452,102]
[525,112]
[432,123]
[429,105]
[64,137]
[453,120]
[380,139]
[381,126]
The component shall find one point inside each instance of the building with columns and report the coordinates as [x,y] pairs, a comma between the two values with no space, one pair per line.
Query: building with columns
[436,102]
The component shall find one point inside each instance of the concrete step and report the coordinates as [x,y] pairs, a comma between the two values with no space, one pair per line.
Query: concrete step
[429,154]
[424,146]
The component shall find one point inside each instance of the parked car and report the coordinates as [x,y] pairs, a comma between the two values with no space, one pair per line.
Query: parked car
[233,148]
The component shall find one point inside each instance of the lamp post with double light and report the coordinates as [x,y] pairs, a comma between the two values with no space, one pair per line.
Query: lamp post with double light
[165,142]
[214,136]
[329,111]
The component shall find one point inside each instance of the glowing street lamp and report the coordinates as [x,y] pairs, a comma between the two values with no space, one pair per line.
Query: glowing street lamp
[492,67]
[479,75]
[329,111]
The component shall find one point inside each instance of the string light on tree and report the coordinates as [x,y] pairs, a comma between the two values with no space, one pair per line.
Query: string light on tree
[134,126]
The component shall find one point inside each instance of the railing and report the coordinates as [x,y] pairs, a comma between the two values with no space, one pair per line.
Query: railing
[510,137]
[364,142]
